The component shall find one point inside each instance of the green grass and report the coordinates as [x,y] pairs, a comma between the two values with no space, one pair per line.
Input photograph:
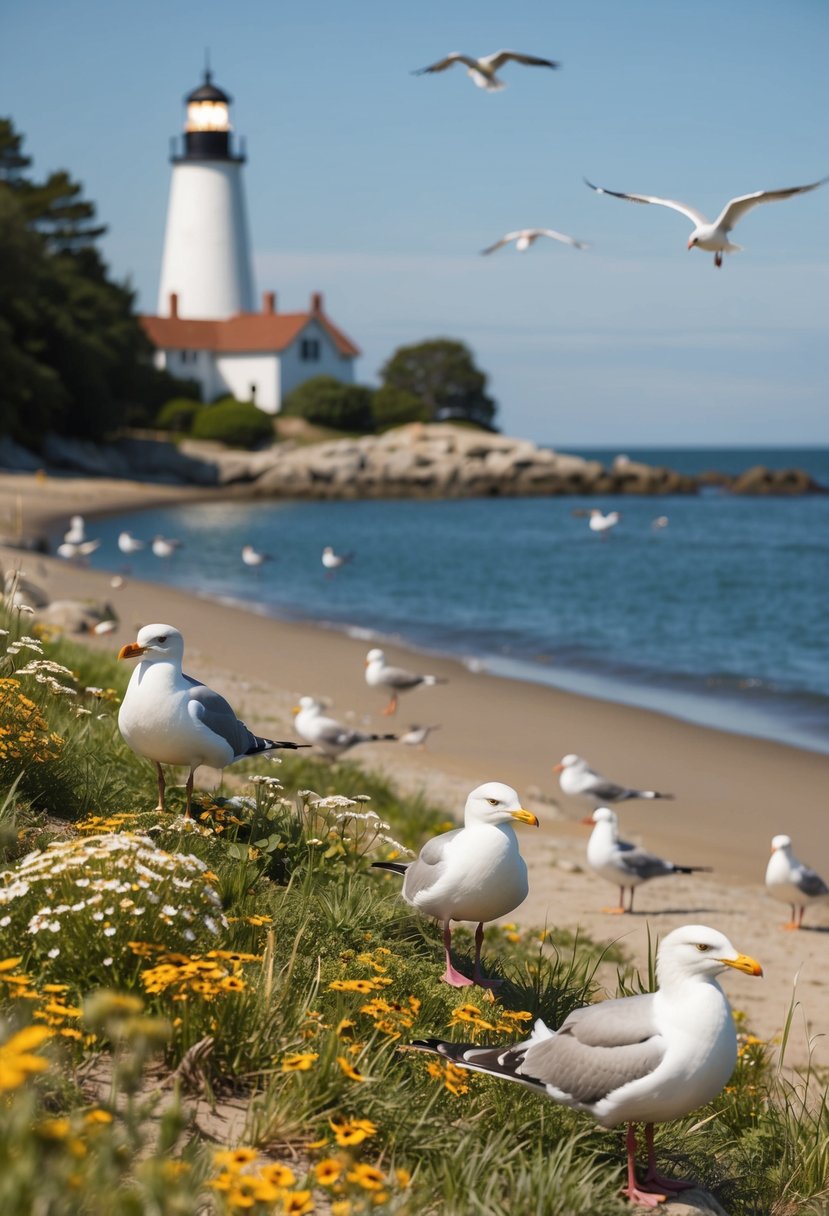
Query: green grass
[305,984]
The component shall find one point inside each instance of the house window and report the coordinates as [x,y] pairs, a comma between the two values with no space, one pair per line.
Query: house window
[187,356]
[309,350]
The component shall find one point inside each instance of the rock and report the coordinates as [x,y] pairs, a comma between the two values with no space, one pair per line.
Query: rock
[692,1203]
[157,460]
[83,456]
[17,459]
[75,616]
[761,480]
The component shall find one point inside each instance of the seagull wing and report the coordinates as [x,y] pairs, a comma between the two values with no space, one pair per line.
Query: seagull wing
[811,883]
[505,240]
[429,867]
[561,236]
[443,64]
[683,208]
[639,863]
[737,208]
[399,678]
[501,57]
[214,712]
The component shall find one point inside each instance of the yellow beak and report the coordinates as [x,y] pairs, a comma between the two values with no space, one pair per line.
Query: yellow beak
[525,817]
[131,651]
[296,710]
[743,963]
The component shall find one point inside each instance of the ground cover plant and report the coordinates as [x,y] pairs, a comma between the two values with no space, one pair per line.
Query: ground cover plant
[156,973]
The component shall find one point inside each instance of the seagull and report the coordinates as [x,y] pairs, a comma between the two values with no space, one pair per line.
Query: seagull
[708,236]
[577,778]
[397,679]
[76,533]
[624,864]
[173,719]
[164,546]
[472,873]
[483,70]
[649,1058]
[787,879]
[72,549]
[416,736]
[251,557]
[601,523]
[332,561]
[128,543]
[526,237]
[102,628]
[329,735]
[661,521]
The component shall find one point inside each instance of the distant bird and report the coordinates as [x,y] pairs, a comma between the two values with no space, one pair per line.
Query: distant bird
[104,627]
[253,558]
[76,532]
[397,679]
[72,549]
[173,719]
[601,523]
[576,777]
[164,546]
[473,873]
[649,1058]
[117,582]
[128,543]
[788,880]
[714,237]
[333,561]
[330,736]
[416,736]
[483,70]
[622,863]
[660,522]
[526,237]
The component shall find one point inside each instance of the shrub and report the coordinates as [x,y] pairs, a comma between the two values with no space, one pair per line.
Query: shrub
[177,414]
[327,401]
[393,406]
[237,423]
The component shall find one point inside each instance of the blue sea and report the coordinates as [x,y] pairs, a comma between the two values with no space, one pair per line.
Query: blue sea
[718,618]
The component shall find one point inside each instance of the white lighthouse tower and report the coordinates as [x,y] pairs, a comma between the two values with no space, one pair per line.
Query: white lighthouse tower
[206,268]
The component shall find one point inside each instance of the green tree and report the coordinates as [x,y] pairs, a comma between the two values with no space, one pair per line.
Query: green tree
[239,424]
[442,374]
[395,406]
[326,401]
[73,356]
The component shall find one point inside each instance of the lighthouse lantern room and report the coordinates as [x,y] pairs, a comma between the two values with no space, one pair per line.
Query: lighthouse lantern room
[206,263]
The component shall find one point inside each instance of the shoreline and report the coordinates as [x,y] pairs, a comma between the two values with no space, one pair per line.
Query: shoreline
[733,792]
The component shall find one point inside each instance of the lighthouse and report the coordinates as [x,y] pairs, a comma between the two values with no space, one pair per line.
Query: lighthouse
[206,268]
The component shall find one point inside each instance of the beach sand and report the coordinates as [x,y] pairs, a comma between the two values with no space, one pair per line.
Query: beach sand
[733,793]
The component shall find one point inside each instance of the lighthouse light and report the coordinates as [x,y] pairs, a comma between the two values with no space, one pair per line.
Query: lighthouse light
[207,116]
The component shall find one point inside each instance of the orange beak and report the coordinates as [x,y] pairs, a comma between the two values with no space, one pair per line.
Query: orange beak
[690,244]
[131,651]
[589,820]
[558,768]
[743,963]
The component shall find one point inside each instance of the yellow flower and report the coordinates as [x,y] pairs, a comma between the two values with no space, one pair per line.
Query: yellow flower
[328,1171]
[297,1203]
[352,1131]
[171,1170]
[341,1208]
[16,1059]
[9,964]
[235,1158]
[54,1129]
[232,983]
[349,1070]
[364,986]
[345,1028]
[96,1115]
[277,1175]
[403,1177]
[299,1061]
[366,1176]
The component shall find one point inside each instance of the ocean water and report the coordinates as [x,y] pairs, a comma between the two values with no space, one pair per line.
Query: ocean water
[718,618]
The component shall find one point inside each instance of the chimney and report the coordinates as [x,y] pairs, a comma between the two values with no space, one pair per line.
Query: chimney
[316,301]
[269,303]
[173,303]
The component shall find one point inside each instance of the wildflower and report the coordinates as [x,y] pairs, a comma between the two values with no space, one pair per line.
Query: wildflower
[352,1131]
[403,1177]
[297,1203]
[341,1208]
[349,1070]
[16,1058]
[327,1171]
[96,1115]
[278,1175]
[299,1061]
[366,1176]
[54,1129]
[235,1158]
[364,986]
[9,964]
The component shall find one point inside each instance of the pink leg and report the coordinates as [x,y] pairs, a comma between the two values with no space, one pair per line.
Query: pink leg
[392,705]
[632,893]
[654,1178]
[160,806]
[477,975]
[451,975]
[718,259]
[635,1193]
[620,910]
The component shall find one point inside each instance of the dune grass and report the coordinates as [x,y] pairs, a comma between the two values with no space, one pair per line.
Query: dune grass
[254,956]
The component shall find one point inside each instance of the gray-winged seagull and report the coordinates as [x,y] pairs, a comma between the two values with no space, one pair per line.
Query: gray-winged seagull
[330,736]
[396,679]
[483,70]
[788,880]
[577,778]
[624,864]
[639,1059]
[526,237]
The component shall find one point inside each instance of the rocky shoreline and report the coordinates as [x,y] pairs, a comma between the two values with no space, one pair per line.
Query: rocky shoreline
[415,461]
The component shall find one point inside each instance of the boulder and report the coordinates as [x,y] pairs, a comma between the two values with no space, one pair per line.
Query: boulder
[154,460]
[17,459]
[75,616]
[83,456]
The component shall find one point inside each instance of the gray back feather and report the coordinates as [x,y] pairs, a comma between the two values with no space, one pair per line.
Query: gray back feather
[427,868]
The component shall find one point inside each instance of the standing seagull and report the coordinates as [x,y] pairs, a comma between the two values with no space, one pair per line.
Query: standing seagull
[127,543]
[416,736]
[396,679]
[330,736]
[76,532]
[645,1059]
[601,523]
[714,237]
[576,777]
[164,546]
[253,558]
[788,880]
[473,873]
[173,719]
[622,863]
[333,561]
[526,237]
[483,70]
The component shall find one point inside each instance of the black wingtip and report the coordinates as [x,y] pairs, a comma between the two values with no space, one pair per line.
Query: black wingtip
[598,189]
[396,867]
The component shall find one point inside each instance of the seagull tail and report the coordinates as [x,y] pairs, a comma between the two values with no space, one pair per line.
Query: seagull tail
[270,745]
[654,794]
[435,679]
[396,867]
[692,869]
[381,739]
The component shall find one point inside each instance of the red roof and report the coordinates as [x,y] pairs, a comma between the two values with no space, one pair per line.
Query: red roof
[244,333]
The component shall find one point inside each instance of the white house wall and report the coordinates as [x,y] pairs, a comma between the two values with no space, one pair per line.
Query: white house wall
[238,373]
[330,363]
[206,260]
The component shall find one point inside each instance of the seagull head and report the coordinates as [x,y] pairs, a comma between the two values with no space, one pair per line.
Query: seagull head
[307,704]
[568,761]
[603,814]
[494,803]
[155,644]
[783,843]
[375,656]
[692,241]
[696,950]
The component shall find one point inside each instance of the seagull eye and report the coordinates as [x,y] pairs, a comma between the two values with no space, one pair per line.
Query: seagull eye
[701,946]
[493,801]
[161,641]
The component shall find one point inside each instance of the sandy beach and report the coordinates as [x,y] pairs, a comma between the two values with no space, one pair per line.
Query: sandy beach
[733,793]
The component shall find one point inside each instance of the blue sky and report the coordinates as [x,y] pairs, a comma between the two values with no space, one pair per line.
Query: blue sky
[379,187]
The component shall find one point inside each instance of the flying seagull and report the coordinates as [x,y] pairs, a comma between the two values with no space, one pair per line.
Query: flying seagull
[483,70]
[472,873]
[171,718]
[708,236]
[649,1058]
[525,237]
